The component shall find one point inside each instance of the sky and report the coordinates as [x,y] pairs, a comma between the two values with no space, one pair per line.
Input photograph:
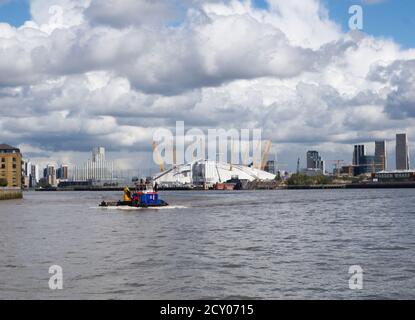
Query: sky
[75,74]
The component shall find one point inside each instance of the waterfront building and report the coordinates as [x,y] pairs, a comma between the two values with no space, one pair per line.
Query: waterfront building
[34,176]
[26,174]
[395,176]
[11,165]
[50,175]
[27,168]
[25,182]
[314,161]
[381,155]
[358,154]
[309,172]
[99,169]
[30,175]
[368,164]
[402,152]
[62,173]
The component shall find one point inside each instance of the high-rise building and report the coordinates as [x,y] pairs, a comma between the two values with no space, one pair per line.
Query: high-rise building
[50,175]
[62,173]
[312,158]
[30,174]
[99,169]
[34,176]
[314,161]
[358,154]
[98,154]
[27,168]
[380,155]
[11,165]
[402,152]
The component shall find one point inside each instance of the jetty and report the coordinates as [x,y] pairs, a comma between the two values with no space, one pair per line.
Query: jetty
[10,193]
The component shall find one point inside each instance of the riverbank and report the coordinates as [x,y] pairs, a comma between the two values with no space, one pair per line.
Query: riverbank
[96,189]
[365,185]
[10,193]
[262,187]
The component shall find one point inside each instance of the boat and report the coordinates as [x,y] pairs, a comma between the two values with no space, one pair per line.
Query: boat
[145,196]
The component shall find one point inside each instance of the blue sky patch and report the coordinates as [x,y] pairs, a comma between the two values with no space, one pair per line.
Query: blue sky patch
[15,12]
[391,19]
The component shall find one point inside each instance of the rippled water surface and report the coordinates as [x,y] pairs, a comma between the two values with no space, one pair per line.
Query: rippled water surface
[226,245]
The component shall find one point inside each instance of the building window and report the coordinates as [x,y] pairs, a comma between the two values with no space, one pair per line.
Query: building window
[3,166]
[14,166]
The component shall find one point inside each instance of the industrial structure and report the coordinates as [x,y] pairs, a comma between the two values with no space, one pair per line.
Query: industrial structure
[366,164]
[377,164]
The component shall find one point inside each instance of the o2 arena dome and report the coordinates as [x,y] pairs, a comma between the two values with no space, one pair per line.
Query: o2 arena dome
[208,172]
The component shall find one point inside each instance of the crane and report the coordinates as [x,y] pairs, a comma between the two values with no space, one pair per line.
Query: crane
[372,165]
[338,164]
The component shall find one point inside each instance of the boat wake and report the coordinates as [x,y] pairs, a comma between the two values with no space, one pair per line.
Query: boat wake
[128,208]
[168,208]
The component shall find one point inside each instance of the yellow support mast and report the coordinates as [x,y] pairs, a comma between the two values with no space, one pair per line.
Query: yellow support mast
[265,155]
[158,155]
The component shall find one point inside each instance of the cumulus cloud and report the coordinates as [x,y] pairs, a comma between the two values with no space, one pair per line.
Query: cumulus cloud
[124,13]
[399,75]
[86,72]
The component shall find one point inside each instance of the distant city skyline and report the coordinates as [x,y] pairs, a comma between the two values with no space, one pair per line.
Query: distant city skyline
[106,171]
[90,76]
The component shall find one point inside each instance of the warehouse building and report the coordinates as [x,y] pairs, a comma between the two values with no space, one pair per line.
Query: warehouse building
[11,165]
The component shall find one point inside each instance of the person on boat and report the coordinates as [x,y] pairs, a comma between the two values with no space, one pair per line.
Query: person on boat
[135,200]
[127,195]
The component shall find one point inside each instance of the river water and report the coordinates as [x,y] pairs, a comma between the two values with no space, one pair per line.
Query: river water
[211,245]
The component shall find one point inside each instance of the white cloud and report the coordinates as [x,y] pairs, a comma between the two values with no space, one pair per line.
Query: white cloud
[124,13]
[99,74]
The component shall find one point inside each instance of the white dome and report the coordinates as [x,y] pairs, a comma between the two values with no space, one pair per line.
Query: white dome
[209,172]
